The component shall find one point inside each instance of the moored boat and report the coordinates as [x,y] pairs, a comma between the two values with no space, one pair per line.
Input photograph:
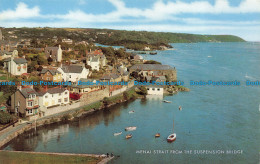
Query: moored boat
[130,128]
[153,53]
[116,134]
[132,111]
[171,137]
[180,108]
[166,101]
[128,136]
[157,135]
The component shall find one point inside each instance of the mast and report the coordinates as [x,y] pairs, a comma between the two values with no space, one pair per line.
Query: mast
[173,126]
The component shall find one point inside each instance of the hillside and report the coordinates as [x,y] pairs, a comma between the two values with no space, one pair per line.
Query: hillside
[129,39]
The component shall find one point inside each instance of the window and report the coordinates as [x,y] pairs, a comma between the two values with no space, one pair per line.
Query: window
[66,93]
[158,89]
[48,78]
[34,96]
[148,89]
[35,102]
[52,95]
[46,97]
[59,100]
[29,111]
[70,76]
[30,96]
[18,104]
[153,89]
[48,73]
[65,99]
[30,103]
[59,94]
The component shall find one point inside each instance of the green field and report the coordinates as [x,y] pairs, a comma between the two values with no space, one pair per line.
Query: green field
[36,158]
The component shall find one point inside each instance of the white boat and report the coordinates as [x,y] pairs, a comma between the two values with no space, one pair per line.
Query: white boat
[172,137]
[130,128]
[132,111]
[116,134]
[180,108]
[166,101]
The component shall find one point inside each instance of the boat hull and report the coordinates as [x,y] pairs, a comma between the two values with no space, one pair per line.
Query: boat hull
[130,128]
[171,137]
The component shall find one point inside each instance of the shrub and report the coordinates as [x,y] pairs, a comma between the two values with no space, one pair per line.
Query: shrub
[5,118]
[143,90]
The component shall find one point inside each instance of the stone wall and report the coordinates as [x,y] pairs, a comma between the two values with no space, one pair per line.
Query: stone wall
[91,97]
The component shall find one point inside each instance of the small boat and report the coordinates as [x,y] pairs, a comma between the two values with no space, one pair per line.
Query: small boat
[157,135]
[128,136]
[130,128]
[116,134]
[153,53]
[166,101]
[132,111]
[171,137]
[180,108]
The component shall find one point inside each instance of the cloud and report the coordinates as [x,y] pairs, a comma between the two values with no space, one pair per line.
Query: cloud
[21,12]
[150,19]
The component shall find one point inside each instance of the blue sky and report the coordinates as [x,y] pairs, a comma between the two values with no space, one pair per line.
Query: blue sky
[236,17]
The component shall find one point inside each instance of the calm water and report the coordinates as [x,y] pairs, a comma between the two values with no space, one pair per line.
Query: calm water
[213,118]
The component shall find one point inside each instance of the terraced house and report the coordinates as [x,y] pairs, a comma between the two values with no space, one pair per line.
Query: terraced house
[25,102]
[51,74]
[53,97]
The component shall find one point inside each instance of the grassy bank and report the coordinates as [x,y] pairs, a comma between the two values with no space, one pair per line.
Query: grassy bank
[43,158]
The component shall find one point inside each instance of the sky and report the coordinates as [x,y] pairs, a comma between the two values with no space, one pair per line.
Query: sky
[235,17]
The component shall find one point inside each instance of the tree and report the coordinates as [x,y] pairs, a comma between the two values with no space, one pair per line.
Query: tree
[105,101]
[143,90]
[126,95]
[50,60]
[39,69]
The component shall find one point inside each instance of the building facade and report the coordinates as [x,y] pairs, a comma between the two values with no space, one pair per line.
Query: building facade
[25,102]
[53,97]
[54,52]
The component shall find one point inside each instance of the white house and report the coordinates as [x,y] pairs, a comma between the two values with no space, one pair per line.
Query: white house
[53,97]
[154,90]
[16,66]
[73,73]
[94,62]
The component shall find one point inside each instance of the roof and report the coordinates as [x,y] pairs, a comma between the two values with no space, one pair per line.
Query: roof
[95,59]
[28,91]
[52,91]
[110,76]
[72,69]
[20,60]
[125,73]
[53,71]
[52,48]
[161,78]
[150,67]
[5,52]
